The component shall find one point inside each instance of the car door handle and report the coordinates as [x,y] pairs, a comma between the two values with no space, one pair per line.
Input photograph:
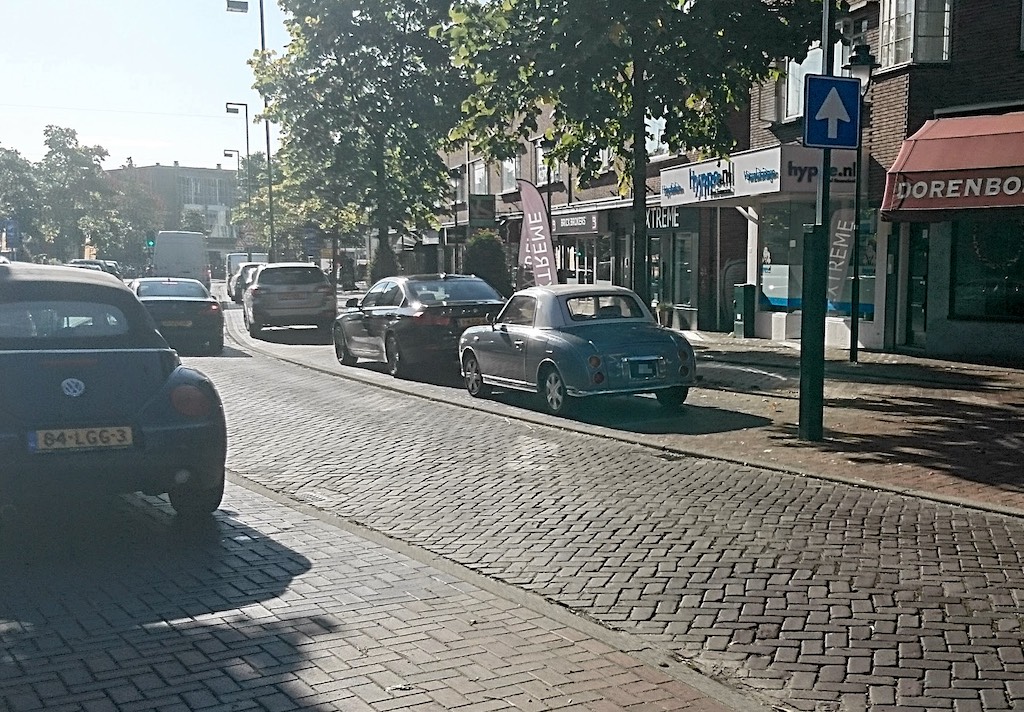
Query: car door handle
[518,343]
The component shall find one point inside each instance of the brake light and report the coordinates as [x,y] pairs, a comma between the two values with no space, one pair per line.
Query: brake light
[594,361]
[598,378]
[192,402]
[429,318]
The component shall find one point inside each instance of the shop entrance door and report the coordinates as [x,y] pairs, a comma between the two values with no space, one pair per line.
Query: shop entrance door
[917,287]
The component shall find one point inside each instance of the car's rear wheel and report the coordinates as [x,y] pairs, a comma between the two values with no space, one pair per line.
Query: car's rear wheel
[345,357]
[552,390]
[673,397]
[191,502]
[216,346]
[250,324]
[397,365]
[474,377]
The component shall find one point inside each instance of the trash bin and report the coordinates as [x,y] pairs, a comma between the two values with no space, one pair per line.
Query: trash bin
[744,302]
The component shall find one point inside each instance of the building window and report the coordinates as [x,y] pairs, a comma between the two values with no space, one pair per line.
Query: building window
[914,31]
[458,181]
[541,177]
[510,168]
[656,146]
[478,178]
[792,86]
[988,270]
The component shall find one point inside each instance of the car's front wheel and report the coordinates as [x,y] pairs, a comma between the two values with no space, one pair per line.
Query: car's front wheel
[345,357]
[474,377]
[673,397]
[191,502]
[552,389]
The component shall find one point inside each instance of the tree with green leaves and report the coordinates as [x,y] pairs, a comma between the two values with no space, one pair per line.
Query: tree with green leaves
[604,67]
[194,220]
[76,199]
[19,195]
[365,96]
[485,257]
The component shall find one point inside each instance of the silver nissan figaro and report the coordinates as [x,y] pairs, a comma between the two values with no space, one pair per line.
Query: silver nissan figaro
[568,342]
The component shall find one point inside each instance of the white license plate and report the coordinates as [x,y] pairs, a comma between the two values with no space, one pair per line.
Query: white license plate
[643,369]
[80,438]
[472,321]
[298,295]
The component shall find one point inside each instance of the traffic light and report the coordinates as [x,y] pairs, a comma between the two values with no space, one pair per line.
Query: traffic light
[150,242]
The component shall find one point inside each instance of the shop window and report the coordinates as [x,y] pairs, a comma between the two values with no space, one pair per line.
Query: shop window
[510,168]
[914,31]
[988,270]
[782,254]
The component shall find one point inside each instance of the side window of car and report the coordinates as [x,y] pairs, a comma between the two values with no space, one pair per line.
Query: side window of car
[392,297]
[372,298]
[520,311]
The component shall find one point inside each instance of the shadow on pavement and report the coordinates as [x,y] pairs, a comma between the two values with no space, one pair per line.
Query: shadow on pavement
[295,336]
[113,602]
[919,373]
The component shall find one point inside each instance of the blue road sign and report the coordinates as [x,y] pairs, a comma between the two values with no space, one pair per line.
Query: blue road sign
[12,233]
[831,112]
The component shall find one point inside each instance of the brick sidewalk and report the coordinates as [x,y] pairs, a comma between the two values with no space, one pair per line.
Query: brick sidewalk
[949,430]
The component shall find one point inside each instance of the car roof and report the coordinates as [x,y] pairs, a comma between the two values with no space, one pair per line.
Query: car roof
[577,290]
[274,265]
[170,279]
[428,277]
[30,272]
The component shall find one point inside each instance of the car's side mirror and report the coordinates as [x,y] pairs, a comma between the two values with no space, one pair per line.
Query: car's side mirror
[352,302]
[491,318]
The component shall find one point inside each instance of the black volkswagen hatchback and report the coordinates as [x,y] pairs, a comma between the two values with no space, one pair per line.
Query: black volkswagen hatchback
[93,399]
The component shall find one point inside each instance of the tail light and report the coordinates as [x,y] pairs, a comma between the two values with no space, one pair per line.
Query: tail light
[254,291]
[192,402]
[594,361]
[598,378]
[212,308]
[431,318]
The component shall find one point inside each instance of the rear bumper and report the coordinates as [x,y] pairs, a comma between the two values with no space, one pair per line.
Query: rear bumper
[283,316]
[150,465]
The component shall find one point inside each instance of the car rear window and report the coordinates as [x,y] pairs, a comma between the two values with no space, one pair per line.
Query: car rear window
[603,306]
[26,321]
[452,290]
[292,275]
[172,289]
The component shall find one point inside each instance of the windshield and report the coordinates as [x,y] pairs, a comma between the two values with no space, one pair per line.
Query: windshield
[603,306]
[452,290]
[172,289]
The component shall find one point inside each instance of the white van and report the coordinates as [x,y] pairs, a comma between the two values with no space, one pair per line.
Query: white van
[181,254]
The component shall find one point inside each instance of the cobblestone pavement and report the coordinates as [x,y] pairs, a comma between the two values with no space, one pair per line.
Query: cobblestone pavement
[808,593]
[113,605]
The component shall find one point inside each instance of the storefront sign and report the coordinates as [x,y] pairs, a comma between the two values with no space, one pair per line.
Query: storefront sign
[996,188]
[789,168]
[481,210]
[662,218]
[579,224]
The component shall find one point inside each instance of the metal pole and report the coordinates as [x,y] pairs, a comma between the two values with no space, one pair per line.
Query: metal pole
[270,171]
[248,165]
[815,287]
[855,289]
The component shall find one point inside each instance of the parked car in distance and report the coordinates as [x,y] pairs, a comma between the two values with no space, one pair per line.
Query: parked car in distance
[238,281]
[411,320]
[185,312]
[108,266]
[289,294]
[234,260]
[93,399]
[568,341]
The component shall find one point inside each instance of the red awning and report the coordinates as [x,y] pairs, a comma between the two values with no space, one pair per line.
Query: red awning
[957,163]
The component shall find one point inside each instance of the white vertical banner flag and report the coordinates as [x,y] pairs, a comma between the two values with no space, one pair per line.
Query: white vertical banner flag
[536,252]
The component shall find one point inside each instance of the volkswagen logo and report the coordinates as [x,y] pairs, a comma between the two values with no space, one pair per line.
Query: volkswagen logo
[72,387]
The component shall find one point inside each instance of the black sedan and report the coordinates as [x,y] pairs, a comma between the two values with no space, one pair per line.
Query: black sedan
[188,316]
[92,398]
[411,320]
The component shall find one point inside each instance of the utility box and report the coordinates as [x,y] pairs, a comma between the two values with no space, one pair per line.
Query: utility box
[744,301]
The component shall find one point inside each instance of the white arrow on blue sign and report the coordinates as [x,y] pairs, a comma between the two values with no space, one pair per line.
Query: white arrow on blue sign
[831,112]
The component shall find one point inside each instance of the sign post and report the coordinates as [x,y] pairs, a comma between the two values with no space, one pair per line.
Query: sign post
[831,120]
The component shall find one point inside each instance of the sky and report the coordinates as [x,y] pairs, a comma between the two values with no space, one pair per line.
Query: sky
[146,79]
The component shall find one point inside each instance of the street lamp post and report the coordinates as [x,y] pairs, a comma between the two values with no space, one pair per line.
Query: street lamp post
[232,108]
[243,6]
[861,65]
[229,153]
